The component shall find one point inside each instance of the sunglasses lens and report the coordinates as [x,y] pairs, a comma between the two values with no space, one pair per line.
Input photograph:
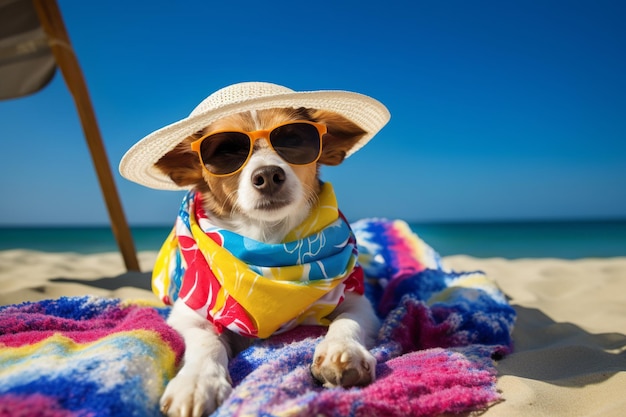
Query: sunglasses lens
[296,143]
[224,153]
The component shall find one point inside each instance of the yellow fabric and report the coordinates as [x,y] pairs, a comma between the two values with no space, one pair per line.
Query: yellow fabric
[276,297]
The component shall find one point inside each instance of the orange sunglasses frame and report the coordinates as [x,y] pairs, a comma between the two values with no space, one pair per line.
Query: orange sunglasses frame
[254,136]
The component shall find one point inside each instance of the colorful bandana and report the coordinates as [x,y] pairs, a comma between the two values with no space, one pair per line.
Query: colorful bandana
[253,288]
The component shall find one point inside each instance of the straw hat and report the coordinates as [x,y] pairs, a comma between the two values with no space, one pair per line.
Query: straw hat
[138,163]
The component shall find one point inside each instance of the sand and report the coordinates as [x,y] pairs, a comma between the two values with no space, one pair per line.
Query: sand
[570,337]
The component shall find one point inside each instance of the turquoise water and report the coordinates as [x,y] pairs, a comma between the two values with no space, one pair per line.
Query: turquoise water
[568,240]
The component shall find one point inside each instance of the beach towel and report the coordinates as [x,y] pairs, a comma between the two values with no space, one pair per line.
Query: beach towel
[85,356]
[441,332]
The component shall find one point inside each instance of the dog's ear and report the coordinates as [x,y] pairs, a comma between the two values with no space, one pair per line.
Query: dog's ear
[341,137]
[182,164]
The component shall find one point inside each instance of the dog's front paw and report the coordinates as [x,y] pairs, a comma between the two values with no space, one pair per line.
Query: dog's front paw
[196,392]
[345,363]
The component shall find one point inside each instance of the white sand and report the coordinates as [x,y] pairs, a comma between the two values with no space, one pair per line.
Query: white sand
[570,337]
[26,275]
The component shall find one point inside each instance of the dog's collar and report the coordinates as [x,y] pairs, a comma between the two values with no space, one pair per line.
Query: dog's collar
[253,288]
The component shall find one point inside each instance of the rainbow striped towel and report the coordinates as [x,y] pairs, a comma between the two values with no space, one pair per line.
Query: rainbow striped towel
[84,356]
[441,330]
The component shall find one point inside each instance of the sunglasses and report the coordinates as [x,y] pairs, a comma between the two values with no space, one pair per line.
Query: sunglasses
[226,153]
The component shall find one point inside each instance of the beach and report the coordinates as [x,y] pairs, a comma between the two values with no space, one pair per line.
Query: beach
[570,335]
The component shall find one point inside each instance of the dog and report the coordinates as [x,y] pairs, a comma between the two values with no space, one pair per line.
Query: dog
[253,188]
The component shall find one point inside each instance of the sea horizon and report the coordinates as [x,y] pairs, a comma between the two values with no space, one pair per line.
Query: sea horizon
[511,239]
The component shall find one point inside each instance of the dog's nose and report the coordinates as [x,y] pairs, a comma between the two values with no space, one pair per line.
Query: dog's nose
[268,179]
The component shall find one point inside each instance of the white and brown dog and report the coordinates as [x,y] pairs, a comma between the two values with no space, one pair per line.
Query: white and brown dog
[252,151]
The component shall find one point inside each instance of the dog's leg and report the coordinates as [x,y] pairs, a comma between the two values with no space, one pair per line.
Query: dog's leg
[341,359]
[203,382]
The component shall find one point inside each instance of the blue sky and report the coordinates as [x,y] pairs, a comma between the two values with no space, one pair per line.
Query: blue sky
[500,109]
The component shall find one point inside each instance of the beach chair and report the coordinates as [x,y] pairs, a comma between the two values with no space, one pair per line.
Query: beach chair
[33,42]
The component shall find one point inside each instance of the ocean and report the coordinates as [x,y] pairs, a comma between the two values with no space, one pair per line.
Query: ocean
[511,240]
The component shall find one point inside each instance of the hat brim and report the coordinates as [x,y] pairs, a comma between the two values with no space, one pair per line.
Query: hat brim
[138,164]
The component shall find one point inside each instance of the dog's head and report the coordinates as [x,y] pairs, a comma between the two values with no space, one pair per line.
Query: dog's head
[268,196]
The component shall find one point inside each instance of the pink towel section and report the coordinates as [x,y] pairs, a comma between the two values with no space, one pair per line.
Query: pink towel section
[84,356]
